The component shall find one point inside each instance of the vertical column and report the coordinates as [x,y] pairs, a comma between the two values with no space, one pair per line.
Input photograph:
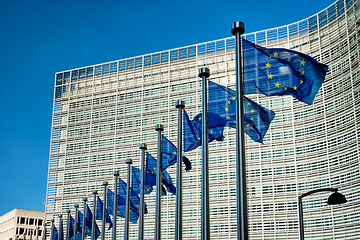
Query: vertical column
[180,105]
[204,73]
[116,187]
[51,230]
[237,29]
[76,219]
[60,230]
[84,219]
[143,148]
[67,225]
[104,212]
[159,128]
[301,219]
[93,230]
[128,195]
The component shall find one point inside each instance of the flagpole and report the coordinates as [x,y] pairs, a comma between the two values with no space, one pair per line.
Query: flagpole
[93,217]
[204,73]
[52,229]
[143,148]
[67,224]
[44,232]
[237,29]
[104,212]
[159,128]
[116,187]
[76,219]
[180,105]
[84,220]
[37,232]
[128,194]
[61,232]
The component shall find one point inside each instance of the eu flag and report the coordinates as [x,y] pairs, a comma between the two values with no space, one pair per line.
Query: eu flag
[151,165]
[169,155]
[88,224]
[150,181]
[192,137]
[61,230]
[257,119]
[278,71]
[55,233]
[99,212]
[121,206]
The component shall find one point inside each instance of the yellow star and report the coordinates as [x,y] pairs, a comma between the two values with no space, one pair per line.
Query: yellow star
[234,121]
[301,81]
[226,109]
[199,118]
[234,98]
[199,138]
[251,119]
[302,73]
[296,55]
[154,168]
[276,54]
[268,65]
[270,57]
[228,117]
[286,52]
[247,125]
[211,131]
[252,111]
[285,88]
[295,87]
[174,152]
[147,189]
[249,103]
[302,62]
[277,84]
[270,76]
[228,101]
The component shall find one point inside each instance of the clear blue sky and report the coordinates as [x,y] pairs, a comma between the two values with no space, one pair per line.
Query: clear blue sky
[39,38]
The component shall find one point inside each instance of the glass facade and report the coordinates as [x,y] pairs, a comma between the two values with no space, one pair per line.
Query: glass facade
[103,112]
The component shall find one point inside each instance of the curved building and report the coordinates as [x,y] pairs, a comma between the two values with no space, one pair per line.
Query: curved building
[103,112]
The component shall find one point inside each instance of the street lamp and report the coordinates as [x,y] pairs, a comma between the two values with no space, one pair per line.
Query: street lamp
[335,198]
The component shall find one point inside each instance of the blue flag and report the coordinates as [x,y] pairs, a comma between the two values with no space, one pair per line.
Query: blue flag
[278,71]
[257,119]
[169,155]
[150,181]
[61,230]
[110,204]
[88,224]
[192,137]
[55,233]
[151,165]
[71,227]
[99,212]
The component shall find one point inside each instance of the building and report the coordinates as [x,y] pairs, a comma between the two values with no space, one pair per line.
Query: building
[103,112]
[21,224]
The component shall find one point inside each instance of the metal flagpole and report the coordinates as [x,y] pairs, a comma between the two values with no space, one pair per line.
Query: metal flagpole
[116,187]
[128,194]
[143,148]
[104,212]
[76,219]
[51,230]
[44,232]
[237,29]
[30,232]
[204,73]
[60,230]
[84,220]
[93,217]
[159,128]
[180,105]
[67,224]
[37,232]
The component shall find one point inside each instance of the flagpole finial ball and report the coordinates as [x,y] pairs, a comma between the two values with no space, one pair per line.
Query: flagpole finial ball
[76,205]
[116,173]
[159,127]
[60,216]
[105,183]
[180,104]
[84,199]
[237,27]
[143,146]
[51,220]
[128,161]
[68,211]
[94,192]
[204,72]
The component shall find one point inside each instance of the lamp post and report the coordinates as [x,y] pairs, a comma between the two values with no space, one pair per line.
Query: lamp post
[335,198]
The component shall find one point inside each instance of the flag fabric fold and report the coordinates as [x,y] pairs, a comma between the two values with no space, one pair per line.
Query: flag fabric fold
[99,212]
[169,155]
[257,119]
[55,233]
[121,206]
[150,181]
[279,71]
[88,223]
